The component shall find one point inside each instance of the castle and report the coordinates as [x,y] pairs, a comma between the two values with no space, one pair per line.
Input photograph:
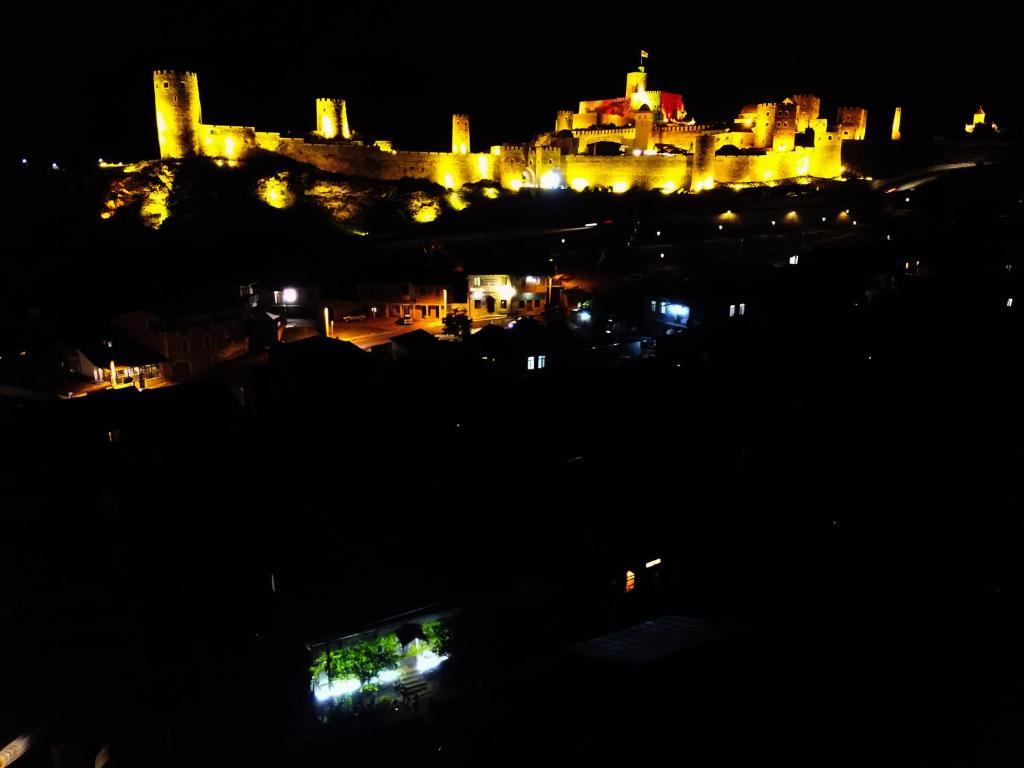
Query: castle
[642,140]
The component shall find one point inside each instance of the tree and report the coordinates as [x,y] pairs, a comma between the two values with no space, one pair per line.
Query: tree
[439,635]
[364,659]
[457,324]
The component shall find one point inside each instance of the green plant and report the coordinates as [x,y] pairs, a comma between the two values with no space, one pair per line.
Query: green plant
[457,324]
[363,659]
[439,636]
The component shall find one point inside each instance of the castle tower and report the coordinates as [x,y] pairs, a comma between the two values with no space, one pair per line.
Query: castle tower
[808,108]
[460,134]
[764,125]
[332,119]
[178,116]
[896,124]
[563,120]
[636,82]
[702,175]
[643,125]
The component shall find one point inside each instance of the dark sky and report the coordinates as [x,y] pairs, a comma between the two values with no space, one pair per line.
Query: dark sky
[82,77]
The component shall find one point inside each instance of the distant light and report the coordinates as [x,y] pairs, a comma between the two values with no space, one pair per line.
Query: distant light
[428,660]
[822,218]
[680,311]
[584,317]
[100,161]
[336,688]
[906,199]
[1009,302]
[773,222]
[551,180]
[591,224]
[888,237]
[719,227]
[388,676]
[289,296]
[54,166]
[654,562]
[658,233]
[579,184]
[563,241]
[24,161]
[794,259]
[855,222]
[662,255]
[620,186]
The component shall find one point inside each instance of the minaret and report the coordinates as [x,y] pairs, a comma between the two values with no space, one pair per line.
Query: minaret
[460,134]
[896,124]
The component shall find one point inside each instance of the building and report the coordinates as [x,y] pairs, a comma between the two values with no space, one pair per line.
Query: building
[191,341]
[644,139]
[400,299]
[501,296]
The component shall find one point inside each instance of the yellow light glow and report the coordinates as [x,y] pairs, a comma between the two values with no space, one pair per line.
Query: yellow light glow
[803,165]
[506,292]
[327,126]
[462,149]
[706,183]
[229,147]
[668,187]
[579,184]
[515,185]
[767,175]
[490,192]
[483,166]
[449,181]
[620,186]
[457,201]
[495,150]
[275,191]
[748,122]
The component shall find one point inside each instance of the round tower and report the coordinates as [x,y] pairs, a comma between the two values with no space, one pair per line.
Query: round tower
[178,115]
[563,120]
[643,122]
[702,175]
[332,119]
[460,134]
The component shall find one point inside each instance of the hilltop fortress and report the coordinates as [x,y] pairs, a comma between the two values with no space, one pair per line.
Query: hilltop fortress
[641,140]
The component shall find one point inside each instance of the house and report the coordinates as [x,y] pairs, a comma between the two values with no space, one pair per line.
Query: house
[503,295]
[190,340]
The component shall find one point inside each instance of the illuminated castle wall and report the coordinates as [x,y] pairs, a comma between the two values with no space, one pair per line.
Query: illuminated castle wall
[641,140]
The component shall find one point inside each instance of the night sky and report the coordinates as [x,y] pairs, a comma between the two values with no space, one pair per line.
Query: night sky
[82,87]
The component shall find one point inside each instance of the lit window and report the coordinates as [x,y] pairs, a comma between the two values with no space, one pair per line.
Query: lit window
[794,259]
[743,309]
[654,306]
[541,359]
[476,304]
[630,581]
[476,280]
[732,310]
[530,363]
[504,303]
[1009,302]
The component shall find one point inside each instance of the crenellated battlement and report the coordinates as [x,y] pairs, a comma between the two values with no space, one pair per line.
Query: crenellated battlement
[650,119]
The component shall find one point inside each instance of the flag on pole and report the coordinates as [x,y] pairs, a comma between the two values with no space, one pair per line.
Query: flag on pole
[644,54]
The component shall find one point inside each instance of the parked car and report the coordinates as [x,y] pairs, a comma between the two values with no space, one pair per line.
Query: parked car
[405,320]
[350,318]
